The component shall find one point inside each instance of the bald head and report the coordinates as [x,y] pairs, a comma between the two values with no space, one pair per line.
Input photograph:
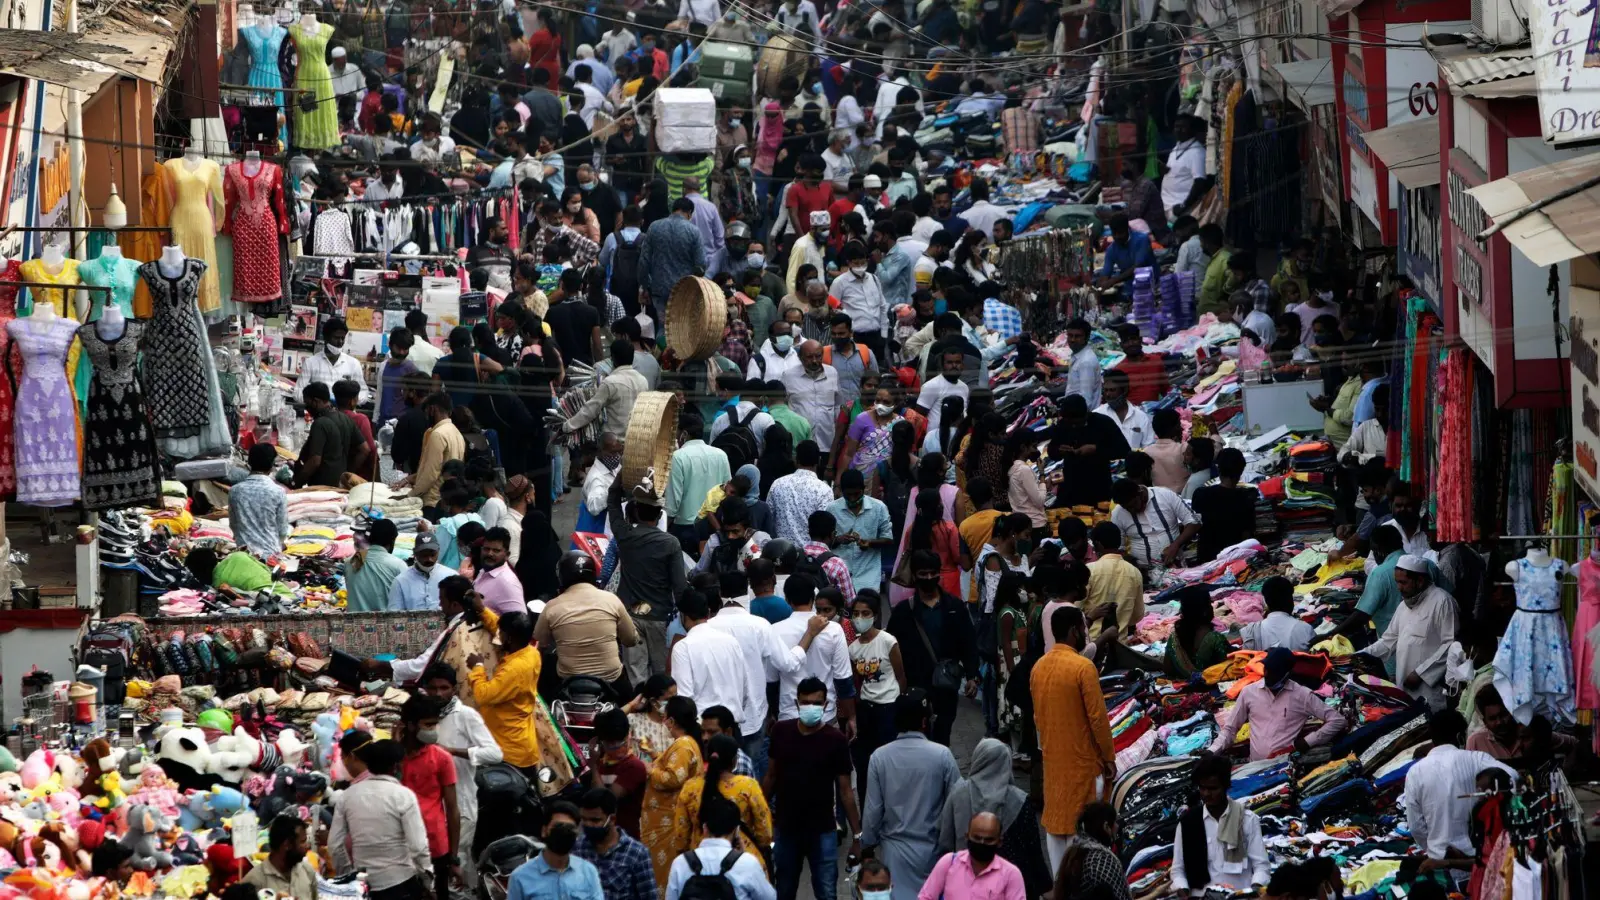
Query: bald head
[984,828]
[691,185]
[811,356]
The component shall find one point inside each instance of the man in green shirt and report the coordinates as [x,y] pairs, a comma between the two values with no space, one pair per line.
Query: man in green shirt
[238,571]
[794,423]
[333,446]
[369,575]
[1214,287]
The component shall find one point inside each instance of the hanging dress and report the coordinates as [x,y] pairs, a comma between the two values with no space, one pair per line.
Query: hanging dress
[1586,631]
[13,369]
[47,416]
[121,274]
[119,448]
[34,270]
[255,218]
[177,355]
[1533,666]
[317,129]
[199,191]
[265,43]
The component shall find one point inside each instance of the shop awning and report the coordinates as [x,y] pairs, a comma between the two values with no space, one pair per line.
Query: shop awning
[69,60]
[1561,230]
[1309,82]
[1410,150]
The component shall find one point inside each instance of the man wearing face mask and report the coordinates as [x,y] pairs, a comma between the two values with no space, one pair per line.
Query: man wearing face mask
[463,735]
[286,872]
[599,199]
[777,356]
[865,306]
[810,763]
[430,774]
[956,875]
[811,246]
[1405,516]
[874,881]
[557,874]
[1277,709]
[333,365]
[622,861]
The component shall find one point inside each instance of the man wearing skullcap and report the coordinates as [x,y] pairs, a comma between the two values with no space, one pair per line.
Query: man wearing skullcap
[1420,633]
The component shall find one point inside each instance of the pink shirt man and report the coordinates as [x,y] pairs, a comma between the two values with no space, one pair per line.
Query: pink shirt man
[1277,719]
[953,878]
[501,590]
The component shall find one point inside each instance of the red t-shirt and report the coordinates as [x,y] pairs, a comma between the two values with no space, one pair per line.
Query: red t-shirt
[837,210]
[631,773]
[426,774]
[1147,378]
[806,200]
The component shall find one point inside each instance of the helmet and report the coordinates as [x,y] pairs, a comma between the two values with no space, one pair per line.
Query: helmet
[737,229]
[783,552]
[575,567]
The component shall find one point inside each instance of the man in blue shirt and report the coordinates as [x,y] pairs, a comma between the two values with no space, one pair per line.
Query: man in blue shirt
[862,532]
[765,601]
[719,824]
[555,874]
[1128,252]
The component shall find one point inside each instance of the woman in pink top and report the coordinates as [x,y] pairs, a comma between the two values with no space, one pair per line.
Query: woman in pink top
[931,471]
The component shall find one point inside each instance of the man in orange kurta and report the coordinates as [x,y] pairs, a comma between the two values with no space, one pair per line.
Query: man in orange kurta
[1074,733]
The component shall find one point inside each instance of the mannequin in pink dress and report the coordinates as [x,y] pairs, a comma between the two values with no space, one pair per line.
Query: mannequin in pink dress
[255,218]
[1584,635]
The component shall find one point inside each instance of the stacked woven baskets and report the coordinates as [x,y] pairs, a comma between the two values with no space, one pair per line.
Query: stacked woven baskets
[697,313]
[652,431]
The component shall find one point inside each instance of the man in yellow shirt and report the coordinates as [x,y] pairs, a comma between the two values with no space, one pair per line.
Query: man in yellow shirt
[509,701]
[1214,287]
[978,528]
[1116,595]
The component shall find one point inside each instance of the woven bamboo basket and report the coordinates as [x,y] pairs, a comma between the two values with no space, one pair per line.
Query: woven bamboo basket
[696,315]
[784,54]
[652,429]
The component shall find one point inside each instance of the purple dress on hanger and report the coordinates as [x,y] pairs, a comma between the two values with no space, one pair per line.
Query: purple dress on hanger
[47,413]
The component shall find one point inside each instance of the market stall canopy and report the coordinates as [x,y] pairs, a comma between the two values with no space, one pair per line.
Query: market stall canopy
[1308,82]
[1410,150]
[1560,230]
[83,62]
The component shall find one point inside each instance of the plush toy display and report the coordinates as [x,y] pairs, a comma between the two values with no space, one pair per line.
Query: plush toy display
[207,809]
[143,837]
[186,758]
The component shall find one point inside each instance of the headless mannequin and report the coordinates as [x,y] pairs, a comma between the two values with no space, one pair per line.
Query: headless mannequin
[170,264]
[1538,557]
[308,23]
[191,157]
[109,326]
[252,163]
[53,258]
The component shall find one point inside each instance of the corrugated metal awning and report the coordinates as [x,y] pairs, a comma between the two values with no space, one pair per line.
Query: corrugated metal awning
[1477,68]
[1309,81]
[1410,150]
[1565,229]
[1505,88]
[69,60]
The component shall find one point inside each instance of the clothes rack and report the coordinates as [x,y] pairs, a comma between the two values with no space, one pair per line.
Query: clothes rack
[48,228]
[49,285]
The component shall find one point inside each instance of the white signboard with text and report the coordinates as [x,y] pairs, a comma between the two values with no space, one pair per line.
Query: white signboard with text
[1568,74]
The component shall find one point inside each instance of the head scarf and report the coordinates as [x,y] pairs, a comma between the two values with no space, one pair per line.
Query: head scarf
[988,787]
[770,135]
[749,471]
[656,207]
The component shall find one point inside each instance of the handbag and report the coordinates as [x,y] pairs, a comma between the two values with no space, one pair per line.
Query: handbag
[947,673]
[902,573]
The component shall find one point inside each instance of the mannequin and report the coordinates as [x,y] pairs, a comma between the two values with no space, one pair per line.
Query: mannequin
[43,311]
[54,257]
[171,262]
[257,220]
[252,163]
[111,324]
[1538,557]
[308,22]
[192,157]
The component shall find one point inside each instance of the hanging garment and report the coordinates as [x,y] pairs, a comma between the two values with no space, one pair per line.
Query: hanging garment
[265,44]
[34,270]
[317,129]
[176,355]
[119,449]
[256,217]
[199,191]
[1533,666]
[330,234]
[8,312]
[121,274]
[47,418]
[155,208]
[1586,689]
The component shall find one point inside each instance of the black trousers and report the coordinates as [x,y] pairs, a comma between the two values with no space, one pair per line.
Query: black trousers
[407,890]
[944,714]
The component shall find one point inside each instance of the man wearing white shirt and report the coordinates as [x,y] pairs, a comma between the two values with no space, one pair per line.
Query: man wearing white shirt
[982,214]
[1130,417]
[827,660]
[594,100]
[860,297]
[949,383]
[700,12]
[1084,376]
[766,657]
[888,96]
[1440,788]
[1280,628]
[708,664]
[332,365]
[837,164]
[1235,852]
[616,43]
[1186,164]
[777,356]
[847,114]
[814,393]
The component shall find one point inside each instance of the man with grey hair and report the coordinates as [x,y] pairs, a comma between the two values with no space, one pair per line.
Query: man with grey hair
[837,161]
[709,221]
[813,391]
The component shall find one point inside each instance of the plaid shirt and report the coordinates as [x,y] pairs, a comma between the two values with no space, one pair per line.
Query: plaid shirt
[584,251]
[625,872]
[1002,318]
[837,570]
[736,343]
[1261,292]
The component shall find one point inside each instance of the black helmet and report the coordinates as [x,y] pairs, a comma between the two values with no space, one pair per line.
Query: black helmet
[783,553]
[577,567]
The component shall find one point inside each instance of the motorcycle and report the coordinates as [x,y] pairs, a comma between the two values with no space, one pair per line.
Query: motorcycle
[499,859]
[509,806]
[582,699]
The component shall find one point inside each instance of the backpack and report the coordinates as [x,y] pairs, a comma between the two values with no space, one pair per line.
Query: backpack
[478,449]
[812,568]
[862,353]
[625,272]
[737,440]
[709,886]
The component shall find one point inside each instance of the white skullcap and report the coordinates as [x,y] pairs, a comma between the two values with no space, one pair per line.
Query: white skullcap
[585,51]
[338,52]
[1413,563]
[819,217]
[872,181]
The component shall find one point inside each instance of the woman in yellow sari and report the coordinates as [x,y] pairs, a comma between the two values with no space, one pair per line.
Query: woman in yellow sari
[722,754]
[668,773]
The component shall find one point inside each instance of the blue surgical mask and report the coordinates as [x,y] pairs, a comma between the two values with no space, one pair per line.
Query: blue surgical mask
[783,343]
[735,123]
[816,87]
[811,716]
[876,895]
[586,185]
[939,306]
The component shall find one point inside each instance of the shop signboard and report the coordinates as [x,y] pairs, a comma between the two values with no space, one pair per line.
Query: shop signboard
[1420,241]
[1567,70]
[1585,332]
[1470,274]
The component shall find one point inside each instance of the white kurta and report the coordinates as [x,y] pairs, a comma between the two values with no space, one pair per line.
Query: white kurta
[1419,636]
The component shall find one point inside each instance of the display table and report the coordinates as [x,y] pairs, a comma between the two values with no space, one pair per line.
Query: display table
[366,635]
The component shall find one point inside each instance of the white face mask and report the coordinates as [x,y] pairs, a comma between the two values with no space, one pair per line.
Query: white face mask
[858,271]
[883,409]
[863,624]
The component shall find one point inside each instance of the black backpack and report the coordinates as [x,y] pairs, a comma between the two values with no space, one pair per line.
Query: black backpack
[709,886]
[812,568]
[625,272]
[738,441]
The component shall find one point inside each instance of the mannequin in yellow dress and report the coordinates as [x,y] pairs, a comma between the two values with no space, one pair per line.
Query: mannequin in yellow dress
[197,195]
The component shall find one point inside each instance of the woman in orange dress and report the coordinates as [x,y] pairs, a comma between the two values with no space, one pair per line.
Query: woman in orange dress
[671,770]
[755,818]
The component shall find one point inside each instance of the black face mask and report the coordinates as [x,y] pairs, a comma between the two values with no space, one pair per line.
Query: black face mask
[1408,520]
[597,834]
[928,583]
[561,838]
[983,853]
